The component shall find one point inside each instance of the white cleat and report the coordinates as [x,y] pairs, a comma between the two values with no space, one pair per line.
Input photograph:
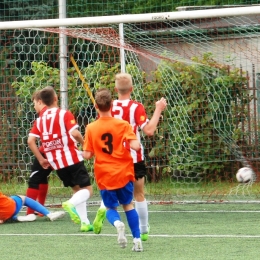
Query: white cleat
[138,247]
[121,239]
[27,218]
[56,215]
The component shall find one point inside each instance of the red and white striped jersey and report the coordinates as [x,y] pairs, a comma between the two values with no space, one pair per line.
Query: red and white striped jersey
[53,127]
[133,112]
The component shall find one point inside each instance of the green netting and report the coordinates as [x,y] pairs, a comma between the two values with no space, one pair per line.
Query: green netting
[207,68]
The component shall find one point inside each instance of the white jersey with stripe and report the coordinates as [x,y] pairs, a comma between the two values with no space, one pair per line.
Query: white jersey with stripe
[134,113]
[53,127]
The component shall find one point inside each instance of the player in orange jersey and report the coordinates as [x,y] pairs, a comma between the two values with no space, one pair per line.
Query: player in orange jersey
[11,206]
[134,112]
[109,140]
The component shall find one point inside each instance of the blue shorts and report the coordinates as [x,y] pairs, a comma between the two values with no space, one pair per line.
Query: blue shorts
[113,198]
[19,203]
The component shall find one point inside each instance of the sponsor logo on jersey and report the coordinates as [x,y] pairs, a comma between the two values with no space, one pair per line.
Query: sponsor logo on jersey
[52,145]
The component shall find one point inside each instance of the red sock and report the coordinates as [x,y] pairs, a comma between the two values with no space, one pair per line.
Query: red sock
[43,189]
[33,194]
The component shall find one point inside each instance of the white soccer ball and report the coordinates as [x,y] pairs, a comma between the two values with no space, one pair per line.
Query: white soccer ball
[245,174]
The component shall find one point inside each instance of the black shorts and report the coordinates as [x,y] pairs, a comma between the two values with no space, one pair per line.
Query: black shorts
[140,170]
[38,175]
[75,174]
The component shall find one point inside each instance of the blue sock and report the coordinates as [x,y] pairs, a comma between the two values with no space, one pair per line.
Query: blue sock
[133,222]
[112,215]
[36,206]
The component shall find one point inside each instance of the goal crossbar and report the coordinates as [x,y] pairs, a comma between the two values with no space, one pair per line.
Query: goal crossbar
[132,18]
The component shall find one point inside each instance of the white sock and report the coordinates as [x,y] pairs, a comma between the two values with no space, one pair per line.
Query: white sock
[142,211]
[102,205]
[79,197]
[117,222]
[82,212]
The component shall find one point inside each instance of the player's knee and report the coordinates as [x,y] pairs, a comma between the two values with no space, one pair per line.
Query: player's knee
[90,189]
[33,185]
[139,196]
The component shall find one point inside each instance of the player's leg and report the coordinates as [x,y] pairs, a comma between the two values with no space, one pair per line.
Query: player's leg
[36,206]
[37,184]
[33,184]
[140,201]
[76,176]
[125,197]
[99,219]
[79,201]
[43,190]
[111,202]
[43,186]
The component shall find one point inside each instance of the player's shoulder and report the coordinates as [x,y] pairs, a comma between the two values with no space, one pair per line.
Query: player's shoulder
[126,102]
[136,102]
[117,121]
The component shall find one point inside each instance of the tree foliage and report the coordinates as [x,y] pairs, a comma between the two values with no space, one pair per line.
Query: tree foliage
[204,98]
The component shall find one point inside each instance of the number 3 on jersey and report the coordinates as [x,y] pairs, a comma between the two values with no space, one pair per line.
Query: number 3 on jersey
[108,138]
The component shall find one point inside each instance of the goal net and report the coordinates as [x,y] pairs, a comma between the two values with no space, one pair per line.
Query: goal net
[205,64]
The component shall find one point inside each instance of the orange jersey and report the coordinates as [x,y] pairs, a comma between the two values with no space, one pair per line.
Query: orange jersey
[113,165]
[7,207]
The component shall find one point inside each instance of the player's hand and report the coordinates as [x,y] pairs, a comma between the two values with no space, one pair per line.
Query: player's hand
[44,163]
[161,104]
[1,221]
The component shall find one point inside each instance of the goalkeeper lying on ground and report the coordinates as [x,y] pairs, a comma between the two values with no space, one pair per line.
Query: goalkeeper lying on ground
[11,206]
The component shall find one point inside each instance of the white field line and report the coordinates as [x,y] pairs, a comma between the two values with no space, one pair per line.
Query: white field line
[161,236]
[184,211]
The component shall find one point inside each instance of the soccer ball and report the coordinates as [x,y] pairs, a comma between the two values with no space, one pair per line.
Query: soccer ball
[245,175]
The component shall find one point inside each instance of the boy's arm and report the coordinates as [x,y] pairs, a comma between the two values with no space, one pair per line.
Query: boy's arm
[77,136]
[32,145]
[151,126]
[135,145]
[1,221]
[87,154]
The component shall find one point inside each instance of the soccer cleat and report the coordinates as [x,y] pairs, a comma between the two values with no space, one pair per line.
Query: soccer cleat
[121,239]
[86,227]
[137,245]
[27,218]
[68,207]
[56,215]
[144,236]
[99,219]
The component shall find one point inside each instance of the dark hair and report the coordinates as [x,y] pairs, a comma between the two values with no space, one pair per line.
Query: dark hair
[47,95]
[103,99]
[36,95]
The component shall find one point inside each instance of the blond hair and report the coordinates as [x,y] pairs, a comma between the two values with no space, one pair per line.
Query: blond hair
[123,83]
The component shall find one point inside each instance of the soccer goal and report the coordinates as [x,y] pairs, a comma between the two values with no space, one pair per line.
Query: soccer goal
[206,63]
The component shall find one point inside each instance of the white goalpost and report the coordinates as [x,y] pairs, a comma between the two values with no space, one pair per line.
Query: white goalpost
[132,18]
[205,62]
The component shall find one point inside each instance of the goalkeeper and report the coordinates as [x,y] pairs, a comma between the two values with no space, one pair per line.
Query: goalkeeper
[11,206]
